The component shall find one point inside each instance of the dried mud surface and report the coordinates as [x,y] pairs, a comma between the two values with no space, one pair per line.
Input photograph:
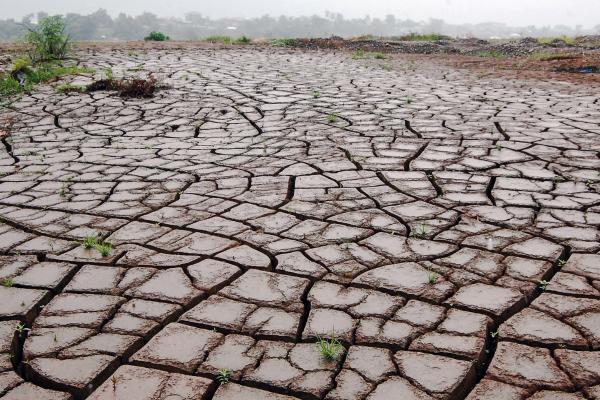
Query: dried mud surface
[443,224]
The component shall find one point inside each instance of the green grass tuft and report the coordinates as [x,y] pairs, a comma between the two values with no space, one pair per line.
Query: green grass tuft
[8,282]
[330,348]
[70,88]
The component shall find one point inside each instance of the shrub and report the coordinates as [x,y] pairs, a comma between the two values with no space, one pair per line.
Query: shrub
[156,37]
[48,40]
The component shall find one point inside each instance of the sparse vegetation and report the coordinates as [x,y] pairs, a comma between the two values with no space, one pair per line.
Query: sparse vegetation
[332,118]
[8,282]
[490,54]
[94,242]
[561,262]
[104,248]
[409,100]
[330,348]
[21,329]
[48,40]
[543,284]
[224,375]
[70,88]
[379,56]
[156,37]
[358,54]
[420,232]
[316,94]
[89,242]
[423,37]
[23,77]
[556,39]
[284,42]
[551,56]
[219,39]
[242,40]
[432,277]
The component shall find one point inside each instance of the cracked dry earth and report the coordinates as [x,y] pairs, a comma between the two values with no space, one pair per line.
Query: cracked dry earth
[449,239]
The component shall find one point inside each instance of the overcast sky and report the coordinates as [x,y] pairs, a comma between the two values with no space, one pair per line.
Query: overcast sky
[512,12]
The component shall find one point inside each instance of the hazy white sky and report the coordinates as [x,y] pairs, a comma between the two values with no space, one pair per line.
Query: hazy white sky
[513,12]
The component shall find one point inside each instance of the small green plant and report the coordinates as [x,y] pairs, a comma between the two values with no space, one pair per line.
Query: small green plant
[104,248]
[21,329]
[379,56]
[358,54]
[89,242]
[332,118]
[330,348]
[93,242]
[48,40]
[409,100]
[70,88]
[316,94]
[494,334]
[156,37]
[543,284]
[420,232]
[432,277]
[561,262]
[386,67]
[8,282]
[242,40]
[224,375]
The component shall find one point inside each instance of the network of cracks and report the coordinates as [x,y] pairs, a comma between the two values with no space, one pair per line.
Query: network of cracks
[443,228]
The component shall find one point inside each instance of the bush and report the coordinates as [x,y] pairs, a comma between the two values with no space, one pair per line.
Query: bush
[156,37]
[48,40]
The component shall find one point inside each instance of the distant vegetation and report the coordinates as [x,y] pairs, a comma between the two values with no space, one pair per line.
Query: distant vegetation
[228,39]
[101,26]
[156,37]
[426,37]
